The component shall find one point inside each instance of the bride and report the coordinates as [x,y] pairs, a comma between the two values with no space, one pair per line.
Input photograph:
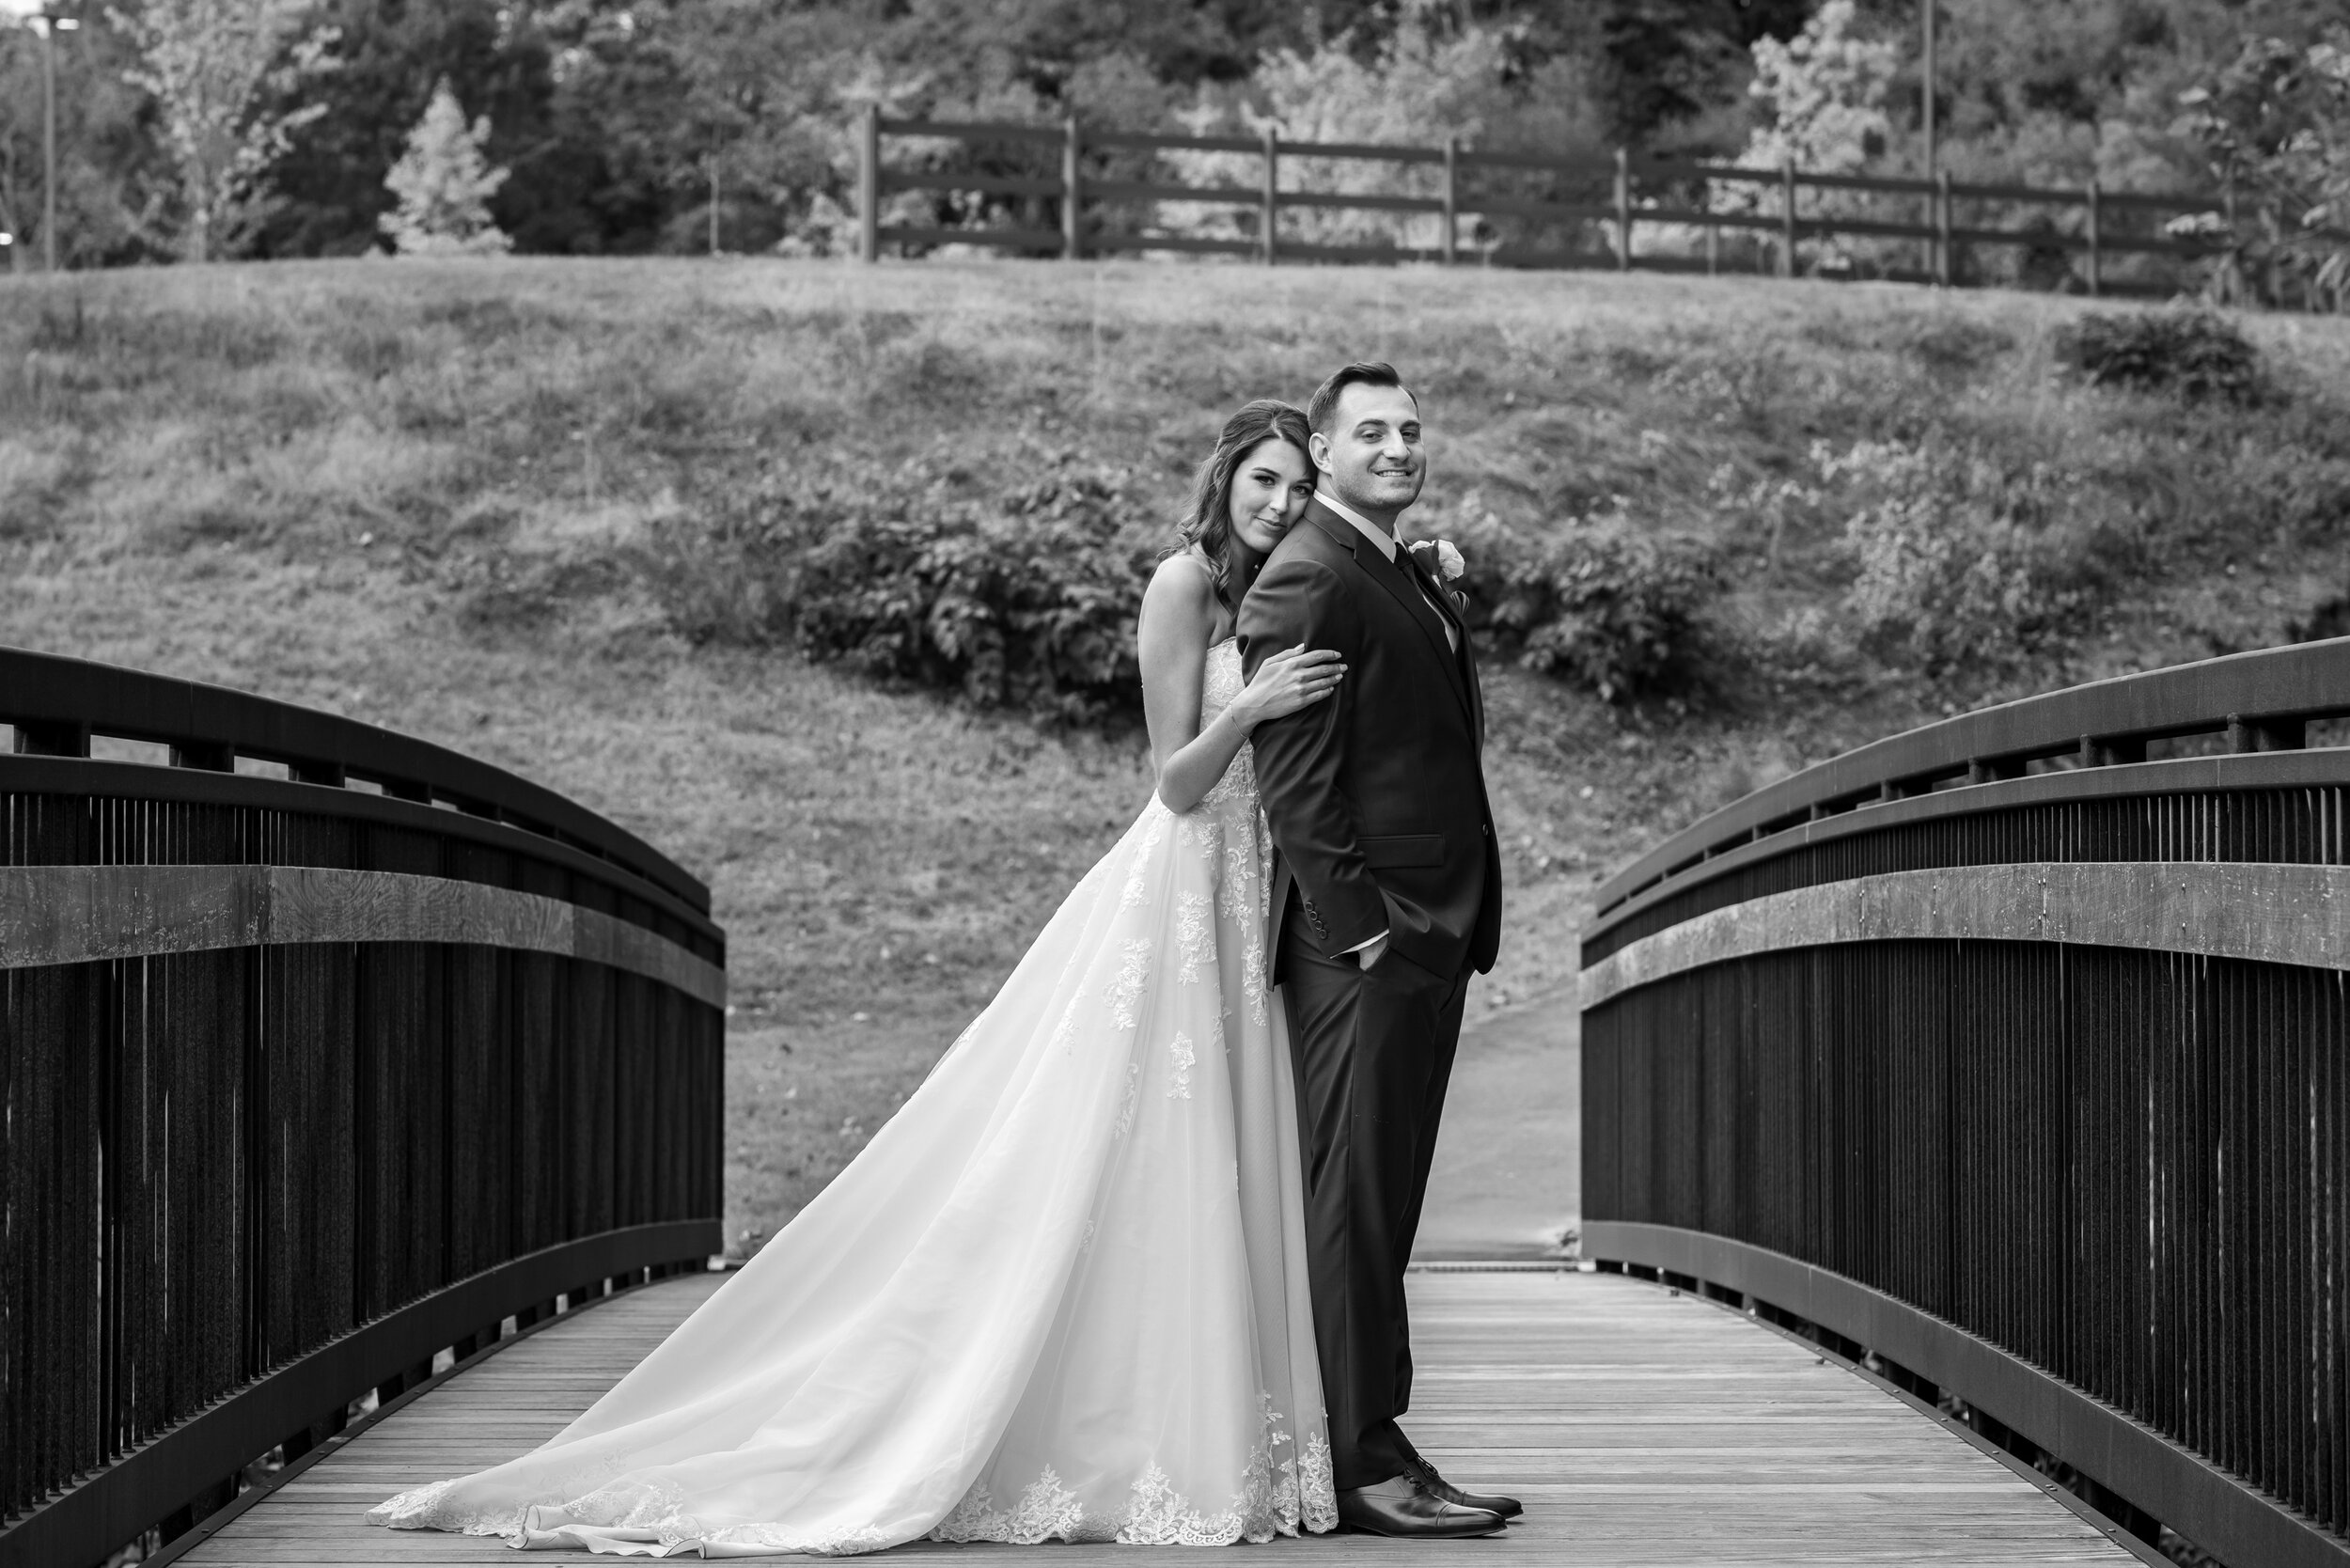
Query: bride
[1061,1295]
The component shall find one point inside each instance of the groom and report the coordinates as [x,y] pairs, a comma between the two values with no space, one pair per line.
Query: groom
[1387,895]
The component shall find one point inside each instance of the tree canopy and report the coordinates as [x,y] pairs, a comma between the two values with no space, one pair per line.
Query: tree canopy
[624,121]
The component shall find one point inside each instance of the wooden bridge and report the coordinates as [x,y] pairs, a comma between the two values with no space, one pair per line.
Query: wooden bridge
[1965,1147]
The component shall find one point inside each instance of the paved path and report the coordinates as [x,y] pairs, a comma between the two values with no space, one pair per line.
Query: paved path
[1640,1427]
[1508,1176]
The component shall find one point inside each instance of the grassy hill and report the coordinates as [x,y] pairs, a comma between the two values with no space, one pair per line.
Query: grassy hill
[465,500]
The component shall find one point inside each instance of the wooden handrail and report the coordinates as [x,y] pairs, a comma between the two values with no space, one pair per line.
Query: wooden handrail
[2263,699]
[57,704]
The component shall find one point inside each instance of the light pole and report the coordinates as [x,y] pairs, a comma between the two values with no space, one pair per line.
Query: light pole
[1926,70]
[48,24]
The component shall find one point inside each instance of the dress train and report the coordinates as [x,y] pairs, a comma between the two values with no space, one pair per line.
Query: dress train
[1061,1293]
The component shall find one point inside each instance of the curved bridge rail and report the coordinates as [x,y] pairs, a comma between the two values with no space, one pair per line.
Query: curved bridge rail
[302,1083]
[2017,1052]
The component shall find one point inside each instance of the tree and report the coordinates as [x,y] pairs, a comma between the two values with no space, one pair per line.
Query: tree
[1419,85]
[1824,91]
[226,76]
[2276,126]
[496,59]
[445,183]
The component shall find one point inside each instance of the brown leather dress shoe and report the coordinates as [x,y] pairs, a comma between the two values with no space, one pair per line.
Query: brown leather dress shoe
[1402,1507]
[1495,1504]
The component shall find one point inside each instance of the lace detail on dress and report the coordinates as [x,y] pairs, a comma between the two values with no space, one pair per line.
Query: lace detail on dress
[1127,987]
[1264,870]
[1138,885]
[1317,1486]
[1274,1498]
[419,1509]
[1178,1084]
[1252,978]
[1223,681]
[1046,1511]
[1197,939]
[1158,1515]
[1134,1092]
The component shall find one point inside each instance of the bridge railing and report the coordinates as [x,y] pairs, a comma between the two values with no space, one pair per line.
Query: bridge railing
[2015,1051]
[304,1083]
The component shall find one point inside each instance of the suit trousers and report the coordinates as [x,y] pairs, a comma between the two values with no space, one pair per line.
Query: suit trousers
[1373,1054]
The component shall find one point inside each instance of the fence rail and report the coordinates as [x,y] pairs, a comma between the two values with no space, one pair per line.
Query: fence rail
[2016,1053]
[1076,211]
[302,1083]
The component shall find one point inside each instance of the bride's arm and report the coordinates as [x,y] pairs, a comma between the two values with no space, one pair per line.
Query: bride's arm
[1177,618]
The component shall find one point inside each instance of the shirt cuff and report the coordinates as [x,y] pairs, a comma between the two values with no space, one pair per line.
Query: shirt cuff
[1361,946]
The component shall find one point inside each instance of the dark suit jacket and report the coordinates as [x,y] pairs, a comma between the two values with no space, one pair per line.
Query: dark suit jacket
[1376,796]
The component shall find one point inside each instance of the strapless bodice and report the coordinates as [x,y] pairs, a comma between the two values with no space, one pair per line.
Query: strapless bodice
[1224,681]
[1221,683]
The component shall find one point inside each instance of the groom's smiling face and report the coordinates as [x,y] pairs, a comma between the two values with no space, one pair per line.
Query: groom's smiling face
[1372,457]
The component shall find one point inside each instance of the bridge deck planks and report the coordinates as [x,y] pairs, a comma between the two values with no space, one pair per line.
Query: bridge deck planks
[1639,1428]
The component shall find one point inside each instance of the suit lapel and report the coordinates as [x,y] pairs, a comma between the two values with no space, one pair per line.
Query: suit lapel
[1400,579]
[1463,656]
[1422,598]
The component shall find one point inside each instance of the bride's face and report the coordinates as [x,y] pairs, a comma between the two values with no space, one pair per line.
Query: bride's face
[1270,490]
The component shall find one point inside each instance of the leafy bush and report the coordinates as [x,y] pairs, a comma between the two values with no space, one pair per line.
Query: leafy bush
[1026,599]
[1605,602]
[1958,562]
[2274,124]
[2197,354]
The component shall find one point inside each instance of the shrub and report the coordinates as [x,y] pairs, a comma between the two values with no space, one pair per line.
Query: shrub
[1605,602]
[1026,599]
[2197,354]
[1958,563]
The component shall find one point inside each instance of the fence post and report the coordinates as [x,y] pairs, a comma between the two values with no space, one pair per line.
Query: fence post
[1787,218]
[1712,235]
[1270,203]
[2096,240]
[1072,242]
[868,185]
[1624,209]
[1451,196]
[1942,228]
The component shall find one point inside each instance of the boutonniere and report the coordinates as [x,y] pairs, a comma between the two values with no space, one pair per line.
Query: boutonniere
[1440,560]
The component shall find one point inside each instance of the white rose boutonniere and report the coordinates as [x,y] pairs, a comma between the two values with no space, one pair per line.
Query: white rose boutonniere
[1441,560]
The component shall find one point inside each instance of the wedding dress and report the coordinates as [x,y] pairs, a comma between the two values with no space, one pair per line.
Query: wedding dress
[1061,1295]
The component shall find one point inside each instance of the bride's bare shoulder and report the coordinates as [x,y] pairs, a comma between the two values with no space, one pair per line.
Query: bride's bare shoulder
[1184,589]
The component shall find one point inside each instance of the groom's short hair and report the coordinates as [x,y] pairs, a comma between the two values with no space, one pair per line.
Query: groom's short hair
[1370,373]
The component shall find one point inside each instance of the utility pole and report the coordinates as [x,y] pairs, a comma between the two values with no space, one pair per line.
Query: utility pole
[49,24]
[1936,262]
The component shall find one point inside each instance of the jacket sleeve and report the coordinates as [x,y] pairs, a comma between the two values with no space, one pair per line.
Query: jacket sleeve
[1300,759]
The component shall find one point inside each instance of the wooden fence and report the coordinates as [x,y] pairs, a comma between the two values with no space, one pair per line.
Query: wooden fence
[2014,1051]
[1079,209]
[326,1051]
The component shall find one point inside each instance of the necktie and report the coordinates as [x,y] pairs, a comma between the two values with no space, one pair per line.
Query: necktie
[1403,563]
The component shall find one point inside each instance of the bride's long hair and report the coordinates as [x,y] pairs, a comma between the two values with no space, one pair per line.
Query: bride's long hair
[1208,521]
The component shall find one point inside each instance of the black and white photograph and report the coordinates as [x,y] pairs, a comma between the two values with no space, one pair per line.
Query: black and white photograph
[1370,780]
